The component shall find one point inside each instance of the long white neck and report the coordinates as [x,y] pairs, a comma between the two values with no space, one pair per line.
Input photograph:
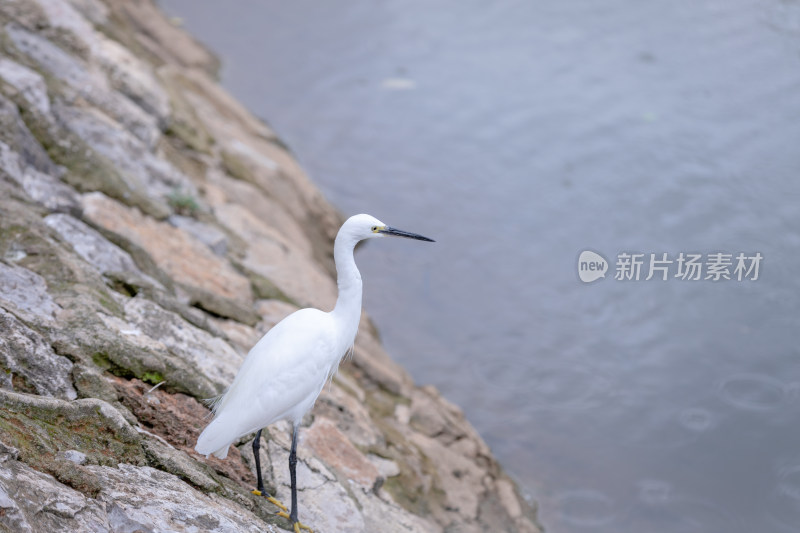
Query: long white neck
[348,278]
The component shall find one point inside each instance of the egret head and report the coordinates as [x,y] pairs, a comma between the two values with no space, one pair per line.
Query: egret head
[359,227]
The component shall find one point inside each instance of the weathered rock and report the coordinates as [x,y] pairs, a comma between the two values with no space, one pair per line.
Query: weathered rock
[42,188]
[326,504]
[352,505]
[50,57]
[240,336]
[183,123]
[225,118]
[336,450]
[178,419]
[15,133]
[269,255]
[167,458]
[132,283]
[352,418]
[508,498]
[24,293]
[29,83]
[146,27]
[382,515]
[239,133]
[98,251]
[133,157]
[73,456]
[40,138]
[458,477]
[132,77]
[95,11]
[86,80]
[431,416]
[29,364]
[131,499]
[32,501]
[205,233]
[38,428]
[370,357]
[222,189]
[192,358]
[49,192]
[175,251]
[62,15]
[160,501]
[386,467]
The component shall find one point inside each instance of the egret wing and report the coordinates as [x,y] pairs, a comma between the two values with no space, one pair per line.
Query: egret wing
[281,376]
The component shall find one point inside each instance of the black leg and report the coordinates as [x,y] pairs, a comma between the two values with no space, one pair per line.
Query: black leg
[293,475]
[256,448]
[292,516]
[260,481]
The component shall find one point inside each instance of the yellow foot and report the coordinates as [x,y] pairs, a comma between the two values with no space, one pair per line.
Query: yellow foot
[270,499]
[297,525]
[275,502]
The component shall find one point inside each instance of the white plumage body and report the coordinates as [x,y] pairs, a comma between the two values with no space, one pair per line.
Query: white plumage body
[279,379]
[285,371]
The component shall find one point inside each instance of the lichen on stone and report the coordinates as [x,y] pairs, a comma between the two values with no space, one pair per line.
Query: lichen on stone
[38,428]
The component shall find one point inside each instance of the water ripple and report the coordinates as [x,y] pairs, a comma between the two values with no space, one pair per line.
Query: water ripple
[783,504]
[783,511]
[789,483]
[753,392]
[586,507]
[655,492]
[696,419]
[680,429]
[546,389]
[661,507]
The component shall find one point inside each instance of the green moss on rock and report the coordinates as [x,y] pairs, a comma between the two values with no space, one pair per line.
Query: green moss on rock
[41,427]
[408,490]
[182,202]
[87,170]
[153,377]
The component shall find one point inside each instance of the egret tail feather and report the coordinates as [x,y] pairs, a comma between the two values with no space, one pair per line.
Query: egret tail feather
[214,402]
[215,439]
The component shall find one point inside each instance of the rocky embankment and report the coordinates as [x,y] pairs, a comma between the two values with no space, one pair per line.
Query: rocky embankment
[151,230]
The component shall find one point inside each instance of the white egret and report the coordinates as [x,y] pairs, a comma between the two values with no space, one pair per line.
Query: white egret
[285,371]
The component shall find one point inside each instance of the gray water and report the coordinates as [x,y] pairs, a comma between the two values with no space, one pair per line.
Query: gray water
[518,134]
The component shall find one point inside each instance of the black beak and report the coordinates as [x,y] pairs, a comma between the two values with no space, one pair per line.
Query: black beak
[400,233]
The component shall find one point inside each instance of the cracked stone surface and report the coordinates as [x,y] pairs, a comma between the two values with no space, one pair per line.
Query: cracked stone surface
[28,82]
[208,355]
[151,231]
[25,293]
[27,359]
[181,256]
[98,251]
[326,504]
[43,189]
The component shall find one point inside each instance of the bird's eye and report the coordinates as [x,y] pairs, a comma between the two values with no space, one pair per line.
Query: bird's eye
[374,229]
